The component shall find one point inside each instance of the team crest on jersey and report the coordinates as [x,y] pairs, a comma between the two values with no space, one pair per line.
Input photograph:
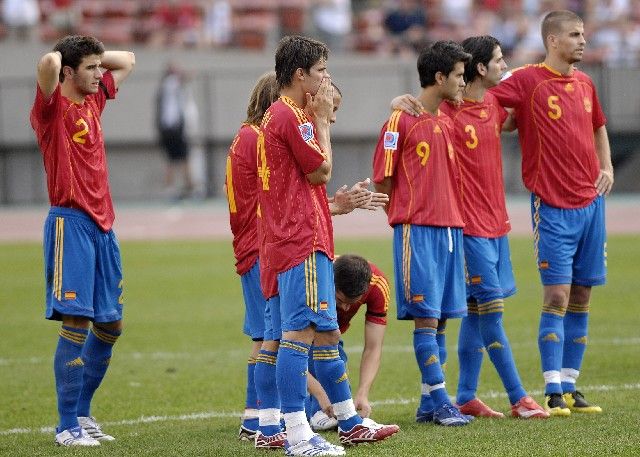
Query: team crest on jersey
[483,114]
[306,130]
[569,87]
[391,140]
[587,104]
[437,129]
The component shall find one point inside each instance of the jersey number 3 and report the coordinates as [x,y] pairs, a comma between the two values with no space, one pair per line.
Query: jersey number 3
[472,142]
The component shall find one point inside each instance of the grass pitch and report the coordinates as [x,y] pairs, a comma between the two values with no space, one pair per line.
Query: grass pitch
[176,383]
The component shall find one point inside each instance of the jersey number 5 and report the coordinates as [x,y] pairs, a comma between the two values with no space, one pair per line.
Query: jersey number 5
[555,111]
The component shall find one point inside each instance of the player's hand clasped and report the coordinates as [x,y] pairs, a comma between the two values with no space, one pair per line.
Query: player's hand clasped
[359,196]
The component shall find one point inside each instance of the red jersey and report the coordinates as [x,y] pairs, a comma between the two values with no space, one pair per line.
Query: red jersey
[242,195]
[295,213]
[377,299]
[477,127]
[70,138]
[268,277]
[556,116]
[418,153]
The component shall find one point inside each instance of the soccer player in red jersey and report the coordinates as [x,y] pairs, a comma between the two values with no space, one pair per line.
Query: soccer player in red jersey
[566,164]
[415,164]
[294,163]
[262,401]
[478,121]
[358,283]
[82,259]
[241,187]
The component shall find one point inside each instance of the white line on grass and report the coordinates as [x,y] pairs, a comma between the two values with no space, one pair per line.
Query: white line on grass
[238,414]
[235,353]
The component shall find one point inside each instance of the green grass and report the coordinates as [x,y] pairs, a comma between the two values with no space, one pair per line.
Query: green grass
[183,353]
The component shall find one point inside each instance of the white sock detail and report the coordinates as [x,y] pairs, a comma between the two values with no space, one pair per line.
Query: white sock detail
[569,375]
[551,376]
[270,416]
[435,387]
[298,429]
[344,409]
[425,389]
[250,413]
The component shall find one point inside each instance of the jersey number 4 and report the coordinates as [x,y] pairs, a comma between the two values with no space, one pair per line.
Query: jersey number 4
[263,169]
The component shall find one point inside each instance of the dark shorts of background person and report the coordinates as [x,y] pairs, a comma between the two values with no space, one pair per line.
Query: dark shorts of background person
[174,144]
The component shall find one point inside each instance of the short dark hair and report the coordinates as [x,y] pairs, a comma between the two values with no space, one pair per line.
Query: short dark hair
[264,93]
[552,23]
[295,51]
[441,56]
[352,275]
[74,48]
[481,49]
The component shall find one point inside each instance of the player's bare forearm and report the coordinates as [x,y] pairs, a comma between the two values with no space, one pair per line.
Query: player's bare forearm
[120,63]
[384,187]
[49,72]
[370,362]
[604,181]
[315,388]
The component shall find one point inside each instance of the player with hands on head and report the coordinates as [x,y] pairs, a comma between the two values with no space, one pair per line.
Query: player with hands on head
[83,272]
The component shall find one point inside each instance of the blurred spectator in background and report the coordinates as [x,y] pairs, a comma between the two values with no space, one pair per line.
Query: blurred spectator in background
[406,23]
[65,17]
[173,103]
[216,25]
[386,27]
[332,22]
[177,22]
[21,17]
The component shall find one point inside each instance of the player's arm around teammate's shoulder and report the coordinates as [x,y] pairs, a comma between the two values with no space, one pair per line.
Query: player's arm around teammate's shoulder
[120,63]
[49,72]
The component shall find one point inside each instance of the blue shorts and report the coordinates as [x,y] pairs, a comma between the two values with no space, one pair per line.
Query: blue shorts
[429,272]
[308,295]
[488,268]
[83,271]
[254,303]
[570,244]
[272,329]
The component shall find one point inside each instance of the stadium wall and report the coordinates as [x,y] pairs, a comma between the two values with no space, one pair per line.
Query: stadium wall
[220,84]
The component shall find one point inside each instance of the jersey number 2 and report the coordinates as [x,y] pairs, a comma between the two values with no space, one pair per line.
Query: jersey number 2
[78,137]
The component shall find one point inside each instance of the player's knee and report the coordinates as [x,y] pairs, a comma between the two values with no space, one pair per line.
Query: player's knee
[113,327]
[557,298]
[75,321]
[580,295]
[331,338]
